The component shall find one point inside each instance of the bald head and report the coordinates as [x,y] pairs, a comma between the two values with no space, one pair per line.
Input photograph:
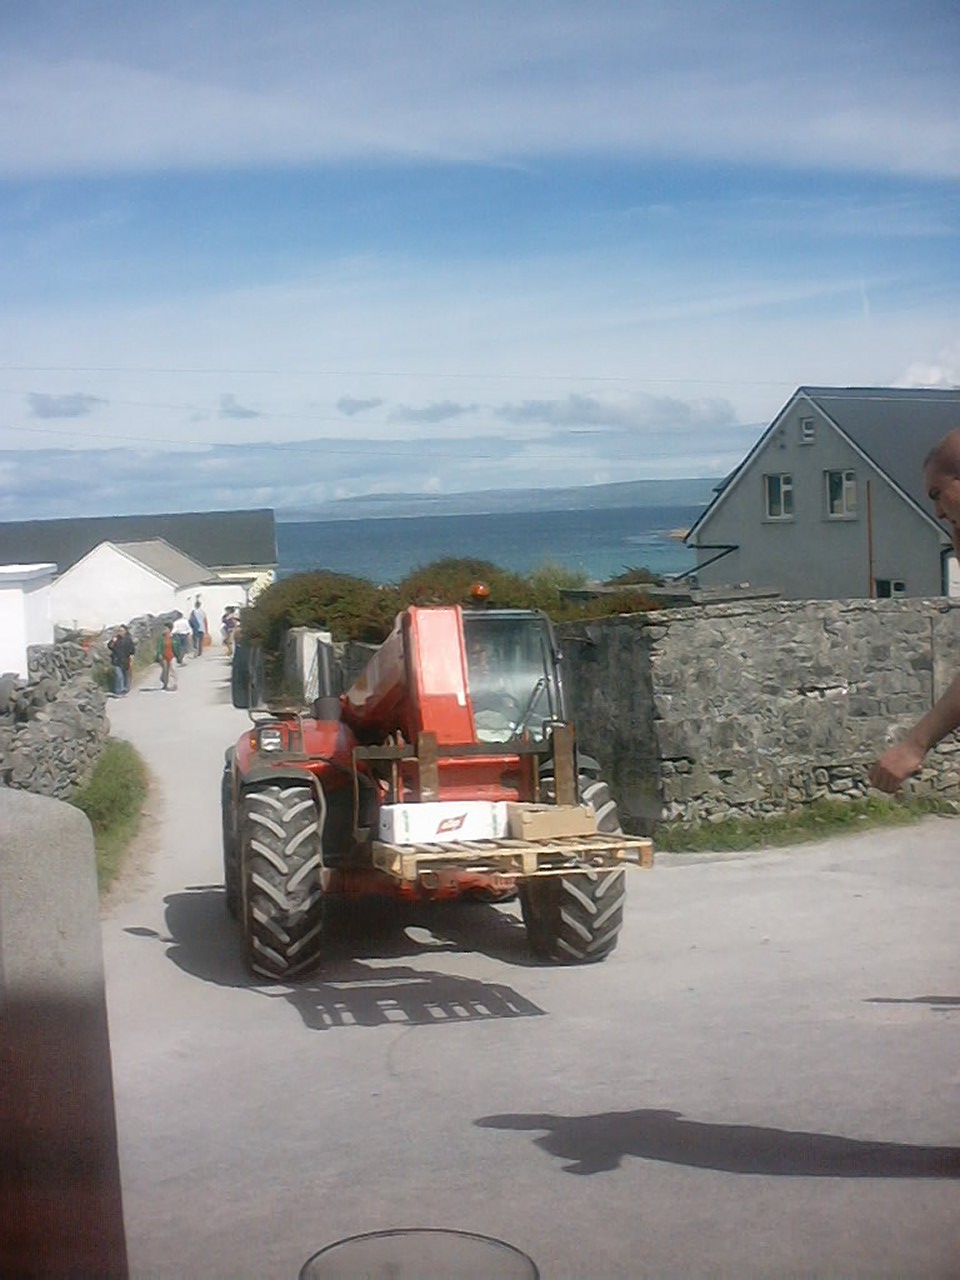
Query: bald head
[944,457]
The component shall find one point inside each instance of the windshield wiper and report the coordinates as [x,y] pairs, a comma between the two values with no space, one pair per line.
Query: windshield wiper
[534,698]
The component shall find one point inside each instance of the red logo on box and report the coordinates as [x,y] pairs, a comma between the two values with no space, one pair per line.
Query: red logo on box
[451,824]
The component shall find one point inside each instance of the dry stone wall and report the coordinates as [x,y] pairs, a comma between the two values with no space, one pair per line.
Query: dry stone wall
[53,725]
[747,710]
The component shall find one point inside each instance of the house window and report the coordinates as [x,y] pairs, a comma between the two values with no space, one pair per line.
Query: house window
[778,497]
[808,431]
[887,587]
[841,494]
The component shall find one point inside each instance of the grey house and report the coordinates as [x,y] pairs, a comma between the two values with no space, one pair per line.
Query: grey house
[829,502]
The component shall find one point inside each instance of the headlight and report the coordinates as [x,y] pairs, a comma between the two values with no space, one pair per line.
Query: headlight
[270,738]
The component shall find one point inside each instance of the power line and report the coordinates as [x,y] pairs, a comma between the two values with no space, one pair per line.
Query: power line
[398,374]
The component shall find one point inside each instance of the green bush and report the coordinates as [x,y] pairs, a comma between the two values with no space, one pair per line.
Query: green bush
[350,608]
[450,581]
[632,577]
[355,609]
[112,799]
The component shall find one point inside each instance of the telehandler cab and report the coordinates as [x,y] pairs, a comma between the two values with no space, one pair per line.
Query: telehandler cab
[448,768]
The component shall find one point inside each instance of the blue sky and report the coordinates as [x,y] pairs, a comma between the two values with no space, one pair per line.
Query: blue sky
[448,246]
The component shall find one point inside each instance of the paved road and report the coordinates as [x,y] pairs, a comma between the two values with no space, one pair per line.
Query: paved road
[762,1081]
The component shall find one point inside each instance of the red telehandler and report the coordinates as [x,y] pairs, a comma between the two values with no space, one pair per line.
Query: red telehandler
[448,768]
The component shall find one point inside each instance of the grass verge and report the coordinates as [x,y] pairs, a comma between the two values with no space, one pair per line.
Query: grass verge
[816,821]
[113,800]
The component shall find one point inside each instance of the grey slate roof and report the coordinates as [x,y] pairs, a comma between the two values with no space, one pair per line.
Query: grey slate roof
[220,539]
[167,561]
[895,428]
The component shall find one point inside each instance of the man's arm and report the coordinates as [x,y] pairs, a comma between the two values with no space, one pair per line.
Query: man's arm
[906,756]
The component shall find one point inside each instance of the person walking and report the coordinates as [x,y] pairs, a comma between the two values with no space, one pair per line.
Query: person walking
[122,649]
[941,479]
[198,625]
[165,655]
[182,639]
[228,624]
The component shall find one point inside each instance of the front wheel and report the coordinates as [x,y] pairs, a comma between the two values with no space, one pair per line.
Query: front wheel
[576,919]
[280,865]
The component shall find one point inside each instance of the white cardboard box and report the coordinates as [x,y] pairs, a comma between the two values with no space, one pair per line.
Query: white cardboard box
[443,821]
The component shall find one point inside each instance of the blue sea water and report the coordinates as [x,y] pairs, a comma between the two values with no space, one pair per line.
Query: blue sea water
[599,543]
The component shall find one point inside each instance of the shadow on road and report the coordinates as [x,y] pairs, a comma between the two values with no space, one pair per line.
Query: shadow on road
[932,1002]
[597,1144]
[203,941]
[220,693]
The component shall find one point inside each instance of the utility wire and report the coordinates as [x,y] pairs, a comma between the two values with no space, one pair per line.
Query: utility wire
[398,373]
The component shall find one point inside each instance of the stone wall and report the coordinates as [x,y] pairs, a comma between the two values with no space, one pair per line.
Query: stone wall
[53,725]
[748,710]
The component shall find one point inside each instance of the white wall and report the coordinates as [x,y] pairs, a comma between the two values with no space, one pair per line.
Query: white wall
[214,598]
[24,613]
[13,630]
[106,588]
[37,601]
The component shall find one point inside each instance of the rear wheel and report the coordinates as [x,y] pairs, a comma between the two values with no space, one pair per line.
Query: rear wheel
[280,865]
[240,676]
[577,919]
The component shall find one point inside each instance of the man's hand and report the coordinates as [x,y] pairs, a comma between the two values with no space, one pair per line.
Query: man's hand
[895,765]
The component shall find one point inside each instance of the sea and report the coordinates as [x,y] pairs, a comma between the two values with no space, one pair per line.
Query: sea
[598,543]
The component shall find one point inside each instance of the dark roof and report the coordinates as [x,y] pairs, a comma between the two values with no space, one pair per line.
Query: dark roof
[895,428]
[170,563]
[221,539]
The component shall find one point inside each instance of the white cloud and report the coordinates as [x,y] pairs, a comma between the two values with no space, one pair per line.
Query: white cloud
[942,372]
[72,405]
[350,405]
[583,412]
[441,411]
[866,86]
[231,408]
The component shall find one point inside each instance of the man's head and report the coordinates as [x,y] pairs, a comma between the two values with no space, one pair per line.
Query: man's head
[941,479]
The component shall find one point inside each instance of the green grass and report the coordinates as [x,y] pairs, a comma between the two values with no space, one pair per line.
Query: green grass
[113,801]
[816,821]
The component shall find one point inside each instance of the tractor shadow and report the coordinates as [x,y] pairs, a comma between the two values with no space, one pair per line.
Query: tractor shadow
[598,1143]
[939,1004]
[357,985]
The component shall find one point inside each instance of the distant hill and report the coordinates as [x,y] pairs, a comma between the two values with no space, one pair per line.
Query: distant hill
[690,492]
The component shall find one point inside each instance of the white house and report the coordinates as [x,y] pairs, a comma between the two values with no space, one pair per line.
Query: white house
[234,546]
[25,617]
[118,581]
[829,503]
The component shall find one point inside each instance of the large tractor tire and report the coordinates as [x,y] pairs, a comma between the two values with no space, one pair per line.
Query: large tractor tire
[240,676]
[280,872]
[231,844]
[577,919]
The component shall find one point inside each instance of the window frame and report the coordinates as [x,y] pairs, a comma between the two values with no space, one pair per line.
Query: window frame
[808,431]
[786,497]
[848,485]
